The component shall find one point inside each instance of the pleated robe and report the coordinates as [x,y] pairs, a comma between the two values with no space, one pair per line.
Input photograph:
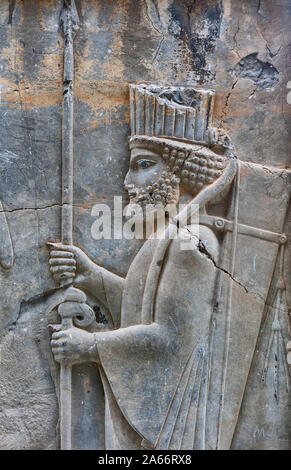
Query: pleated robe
[155,375]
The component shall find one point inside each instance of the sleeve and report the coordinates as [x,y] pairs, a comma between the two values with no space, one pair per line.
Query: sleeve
[107,287]
[142,365]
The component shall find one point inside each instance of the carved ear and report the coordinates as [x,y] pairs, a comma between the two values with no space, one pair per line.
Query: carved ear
[6,248]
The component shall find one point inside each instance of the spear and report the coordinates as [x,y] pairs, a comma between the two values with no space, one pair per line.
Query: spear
[69,24]
[74,306]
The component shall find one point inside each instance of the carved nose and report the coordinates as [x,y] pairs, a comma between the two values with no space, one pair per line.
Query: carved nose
[126,180]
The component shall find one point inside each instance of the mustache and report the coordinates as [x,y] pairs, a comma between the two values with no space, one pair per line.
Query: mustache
[139,195]
[132,190]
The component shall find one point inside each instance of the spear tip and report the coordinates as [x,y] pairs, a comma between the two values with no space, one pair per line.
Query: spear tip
[69,18]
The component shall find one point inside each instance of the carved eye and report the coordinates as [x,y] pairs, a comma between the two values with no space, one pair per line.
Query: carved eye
[144,164]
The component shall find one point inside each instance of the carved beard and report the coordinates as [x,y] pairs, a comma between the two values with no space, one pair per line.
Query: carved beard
[163,191]
[155,200]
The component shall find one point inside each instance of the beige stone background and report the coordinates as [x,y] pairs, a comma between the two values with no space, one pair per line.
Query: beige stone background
[168,42]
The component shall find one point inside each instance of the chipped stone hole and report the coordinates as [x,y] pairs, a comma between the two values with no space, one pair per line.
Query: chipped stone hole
[186,97]
[68,86]
[263,74]
[99,315]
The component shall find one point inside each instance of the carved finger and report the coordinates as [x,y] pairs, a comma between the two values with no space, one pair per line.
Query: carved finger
[62,269]
[65,277]
[60,246]
[61,254]
[57,349]
[55,327]
[58,343]
[62,261]
[59,334]
[58,358]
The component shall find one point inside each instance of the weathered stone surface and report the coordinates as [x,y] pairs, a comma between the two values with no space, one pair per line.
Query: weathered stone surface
[145,369]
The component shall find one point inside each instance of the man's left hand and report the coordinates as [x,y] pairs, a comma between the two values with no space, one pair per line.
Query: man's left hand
[73,346]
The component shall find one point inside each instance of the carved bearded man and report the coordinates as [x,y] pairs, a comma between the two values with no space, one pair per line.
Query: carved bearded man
[157,362]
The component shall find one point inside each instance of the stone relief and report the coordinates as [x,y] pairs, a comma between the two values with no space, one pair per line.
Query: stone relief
[170,349]
[175,306]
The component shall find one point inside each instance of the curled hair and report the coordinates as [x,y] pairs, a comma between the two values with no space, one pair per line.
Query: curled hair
[196,166]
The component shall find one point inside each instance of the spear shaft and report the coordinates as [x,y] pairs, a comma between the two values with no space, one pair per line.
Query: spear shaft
[69,25]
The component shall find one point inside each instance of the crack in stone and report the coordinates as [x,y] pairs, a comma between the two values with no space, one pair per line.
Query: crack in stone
[157,30]
[253,92]
[11,10]
[9,211]
[203,250]
[224,111]
[270,53]
[235,41]
[274,171]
